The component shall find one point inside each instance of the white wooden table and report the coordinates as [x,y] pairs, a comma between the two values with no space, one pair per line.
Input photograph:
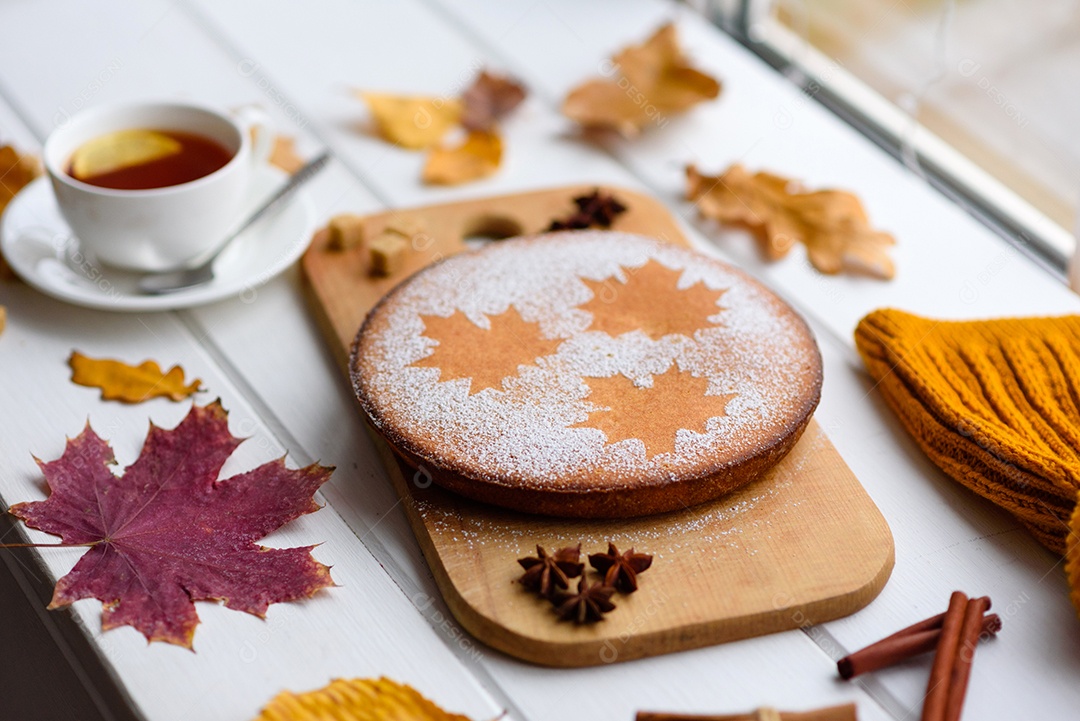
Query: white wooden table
[265,358]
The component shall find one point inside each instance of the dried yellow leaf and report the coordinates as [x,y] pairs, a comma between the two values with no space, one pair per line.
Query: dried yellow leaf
[16,171]
[832,224]
[130,384]
[283,154]
[3,318]
[650,83]
[413,121]
[477,157]
[361,699]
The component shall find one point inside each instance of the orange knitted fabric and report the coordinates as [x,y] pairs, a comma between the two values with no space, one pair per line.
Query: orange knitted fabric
[996,405]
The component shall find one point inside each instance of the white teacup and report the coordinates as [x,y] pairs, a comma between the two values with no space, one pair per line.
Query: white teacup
[164,228]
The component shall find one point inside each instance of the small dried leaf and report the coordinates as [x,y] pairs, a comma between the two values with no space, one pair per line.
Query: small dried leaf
[477,157]
[361,699]
[130,384]
[15,172]
[832,224]
[651,82]
[284,154]
[489,99]
[413,121]
[3,319]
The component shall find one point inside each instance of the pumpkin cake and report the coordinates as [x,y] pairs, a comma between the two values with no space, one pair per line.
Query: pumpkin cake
[587,374]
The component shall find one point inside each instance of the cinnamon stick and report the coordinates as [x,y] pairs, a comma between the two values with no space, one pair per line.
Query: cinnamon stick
[930,623]
[961,670]
[937,690]
[833,713]
[905,644]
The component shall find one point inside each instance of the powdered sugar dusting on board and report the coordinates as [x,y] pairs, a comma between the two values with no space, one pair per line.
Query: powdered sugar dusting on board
[752,349]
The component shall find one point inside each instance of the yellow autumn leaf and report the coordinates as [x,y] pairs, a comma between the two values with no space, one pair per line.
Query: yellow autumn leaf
[121,149]
[130,384]
[413,121]
[477,157]
[361,699]
[283,154]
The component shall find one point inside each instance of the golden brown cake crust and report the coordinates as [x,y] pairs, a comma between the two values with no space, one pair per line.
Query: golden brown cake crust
[592,374]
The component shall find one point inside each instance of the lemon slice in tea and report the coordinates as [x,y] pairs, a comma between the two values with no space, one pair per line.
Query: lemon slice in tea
[121,149]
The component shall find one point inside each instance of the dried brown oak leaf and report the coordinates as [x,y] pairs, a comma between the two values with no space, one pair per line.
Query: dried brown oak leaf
[167,533]
[131,384]
[832,224]
[620,569]
[359,699]
[412,121]
[588,605]
[476,157]
[490,98]
[544,573]
[646,84]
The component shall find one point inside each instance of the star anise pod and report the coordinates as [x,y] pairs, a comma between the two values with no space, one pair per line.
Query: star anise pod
[588,605]
[620,569]
[595,210]
[544,573]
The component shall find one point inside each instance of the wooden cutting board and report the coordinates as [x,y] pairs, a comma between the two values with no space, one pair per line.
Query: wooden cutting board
[800,546]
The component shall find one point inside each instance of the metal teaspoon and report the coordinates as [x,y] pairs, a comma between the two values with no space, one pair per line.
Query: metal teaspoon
[168,282]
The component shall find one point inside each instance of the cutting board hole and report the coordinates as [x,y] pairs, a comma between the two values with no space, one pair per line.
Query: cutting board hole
[487,228]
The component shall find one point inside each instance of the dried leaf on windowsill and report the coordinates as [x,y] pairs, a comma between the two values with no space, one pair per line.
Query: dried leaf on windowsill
[646,85]
[832,224]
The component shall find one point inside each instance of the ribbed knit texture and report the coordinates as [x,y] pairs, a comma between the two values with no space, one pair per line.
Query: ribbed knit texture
[996,405]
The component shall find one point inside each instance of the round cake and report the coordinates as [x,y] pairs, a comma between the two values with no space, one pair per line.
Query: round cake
[587,374]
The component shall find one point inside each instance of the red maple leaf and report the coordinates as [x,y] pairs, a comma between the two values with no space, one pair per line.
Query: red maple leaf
[167,532]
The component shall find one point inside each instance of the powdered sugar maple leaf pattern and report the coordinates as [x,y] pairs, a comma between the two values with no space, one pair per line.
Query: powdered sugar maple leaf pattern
[167,532]
[650,300]
[484,355]
[653,415]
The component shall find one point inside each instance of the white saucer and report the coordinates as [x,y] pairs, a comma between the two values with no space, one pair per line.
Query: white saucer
[40,247]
